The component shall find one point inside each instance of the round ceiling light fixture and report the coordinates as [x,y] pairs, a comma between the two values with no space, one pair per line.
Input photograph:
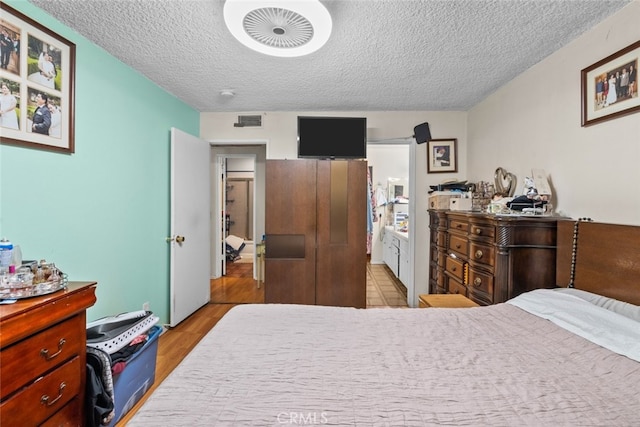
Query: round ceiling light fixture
[285,28]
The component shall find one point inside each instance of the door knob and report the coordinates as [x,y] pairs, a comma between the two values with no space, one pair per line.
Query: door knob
[179,239]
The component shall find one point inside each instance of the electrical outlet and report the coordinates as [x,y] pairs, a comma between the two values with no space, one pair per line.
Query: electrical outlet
[146,306]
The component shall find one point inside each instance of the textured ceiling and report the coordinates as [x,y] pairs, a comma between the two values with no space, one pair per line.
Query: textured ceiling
[383,55]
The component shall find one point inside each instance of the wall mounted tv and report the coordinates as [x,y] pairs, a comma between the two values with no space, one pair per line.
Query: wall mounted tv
[332,137]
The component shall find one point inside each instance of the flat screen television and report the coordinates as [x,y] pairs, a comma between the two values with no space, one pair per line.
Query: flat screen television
[332,137]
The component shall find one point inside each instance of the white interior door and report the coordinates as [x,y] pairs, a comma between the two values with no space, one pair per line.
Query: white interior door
[190,225]
[224,230]
[219,224]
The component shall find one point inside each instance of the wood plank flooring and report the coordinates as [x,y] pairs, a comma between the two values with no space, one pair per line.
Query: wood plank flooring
[239,287]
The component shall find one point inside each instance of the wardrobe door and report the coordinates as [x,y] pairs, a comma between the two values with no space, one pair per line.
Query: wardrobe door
[290,226]
[341,233]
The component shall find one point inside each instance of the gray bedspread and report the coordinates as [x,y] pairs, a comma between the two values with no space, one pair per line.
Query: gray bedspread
[274,365]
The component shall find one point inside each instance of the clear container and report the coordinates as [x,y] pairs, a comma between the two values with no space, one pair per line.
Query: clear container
[6,253]
[16,256]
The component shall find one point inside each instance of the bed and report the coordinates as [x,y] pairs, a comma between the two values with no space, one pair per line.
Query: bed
[556,357]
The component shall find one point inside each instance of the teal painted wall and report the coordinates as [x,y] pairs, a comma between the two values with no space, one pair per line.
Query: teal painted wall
[101,214]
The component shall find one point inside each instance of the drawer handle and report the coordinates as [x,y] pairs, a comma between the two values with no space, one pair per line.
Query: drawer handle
[458,225]
[45,399]
[45,353]
[478,231]
[454,268]
[477,281]
[479,254]
[458,246]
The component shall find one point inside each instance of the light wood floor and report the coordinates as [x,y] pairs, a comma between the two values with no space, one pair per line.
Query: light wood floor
[239,287]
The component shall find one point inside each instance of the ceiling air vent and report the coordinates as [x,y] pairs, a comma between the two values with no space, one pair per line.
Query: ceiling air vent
[249,121]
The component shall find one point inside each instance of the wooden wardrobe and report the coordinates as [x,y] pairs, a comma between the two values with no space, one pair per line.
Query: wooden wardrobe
[315,223]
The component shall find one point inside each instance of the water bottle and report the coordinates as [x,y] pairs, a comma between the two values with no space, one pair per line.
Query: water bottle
[6,253]
[16,259]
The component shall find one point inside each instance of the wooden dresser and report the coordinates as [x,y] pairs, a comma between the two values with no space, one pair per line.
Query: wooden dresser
[43,358]
[490,258]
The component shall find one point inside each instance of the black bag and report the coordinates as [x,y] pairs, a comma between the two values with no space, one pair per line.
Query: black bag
[522,202]
[99,406]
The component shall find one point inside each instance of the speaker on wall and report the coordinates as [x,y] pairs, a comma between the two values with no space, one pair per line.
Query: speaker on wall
[422,133]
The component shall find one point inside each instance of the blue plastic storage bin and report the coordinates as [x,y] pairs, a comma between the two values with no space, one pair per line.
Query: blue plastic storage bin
[137,377]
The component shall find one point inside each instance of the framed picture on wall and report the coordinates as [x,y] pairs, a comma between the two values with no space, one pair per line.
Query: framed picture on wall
[37,81]
[610,86]
[442,155]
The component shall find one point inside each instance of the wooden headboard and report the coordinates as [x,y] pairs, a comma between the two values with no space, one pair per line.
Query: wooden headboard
[607,259]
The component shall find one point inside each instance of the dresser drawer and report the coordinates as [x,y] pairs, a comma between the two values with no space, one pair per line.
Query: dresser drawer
[481,285]
[457,288]
[69,416]
[40,400]
[455,267]
[458,226]
[458,244]
[21,363]
[482,231]
[442,258]
[483,254]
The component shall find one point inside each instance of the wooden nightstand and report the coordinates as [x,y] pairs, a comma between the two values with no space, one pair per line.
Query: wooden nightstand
[445,301]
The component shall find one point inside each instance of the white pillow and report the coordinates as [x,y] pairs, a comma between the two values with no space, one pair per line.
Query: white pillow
[623,308]
[234,241]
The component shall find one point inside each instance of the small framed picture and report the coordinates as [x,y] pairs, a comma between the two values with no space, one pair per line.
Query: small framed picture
[610,86]
[442,155]
[37,84]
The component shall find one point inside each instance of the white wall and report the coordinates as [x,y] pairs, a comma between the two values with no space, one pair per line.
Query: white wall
[280,130]
[534,122]
[240,167]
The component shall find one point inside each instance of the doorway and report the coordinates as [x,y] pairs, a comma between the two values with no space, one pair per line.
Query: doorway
[239,241]
[239,204]
[392,179]
[237,220]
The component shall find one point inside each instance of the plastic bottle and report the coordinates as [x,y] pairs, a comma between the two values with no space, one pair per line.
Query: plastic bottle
[16,258]
[6,253]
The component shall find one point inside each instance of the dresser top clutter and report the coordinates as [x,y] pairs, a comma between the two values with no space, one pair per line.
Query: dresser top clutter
[43,357]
